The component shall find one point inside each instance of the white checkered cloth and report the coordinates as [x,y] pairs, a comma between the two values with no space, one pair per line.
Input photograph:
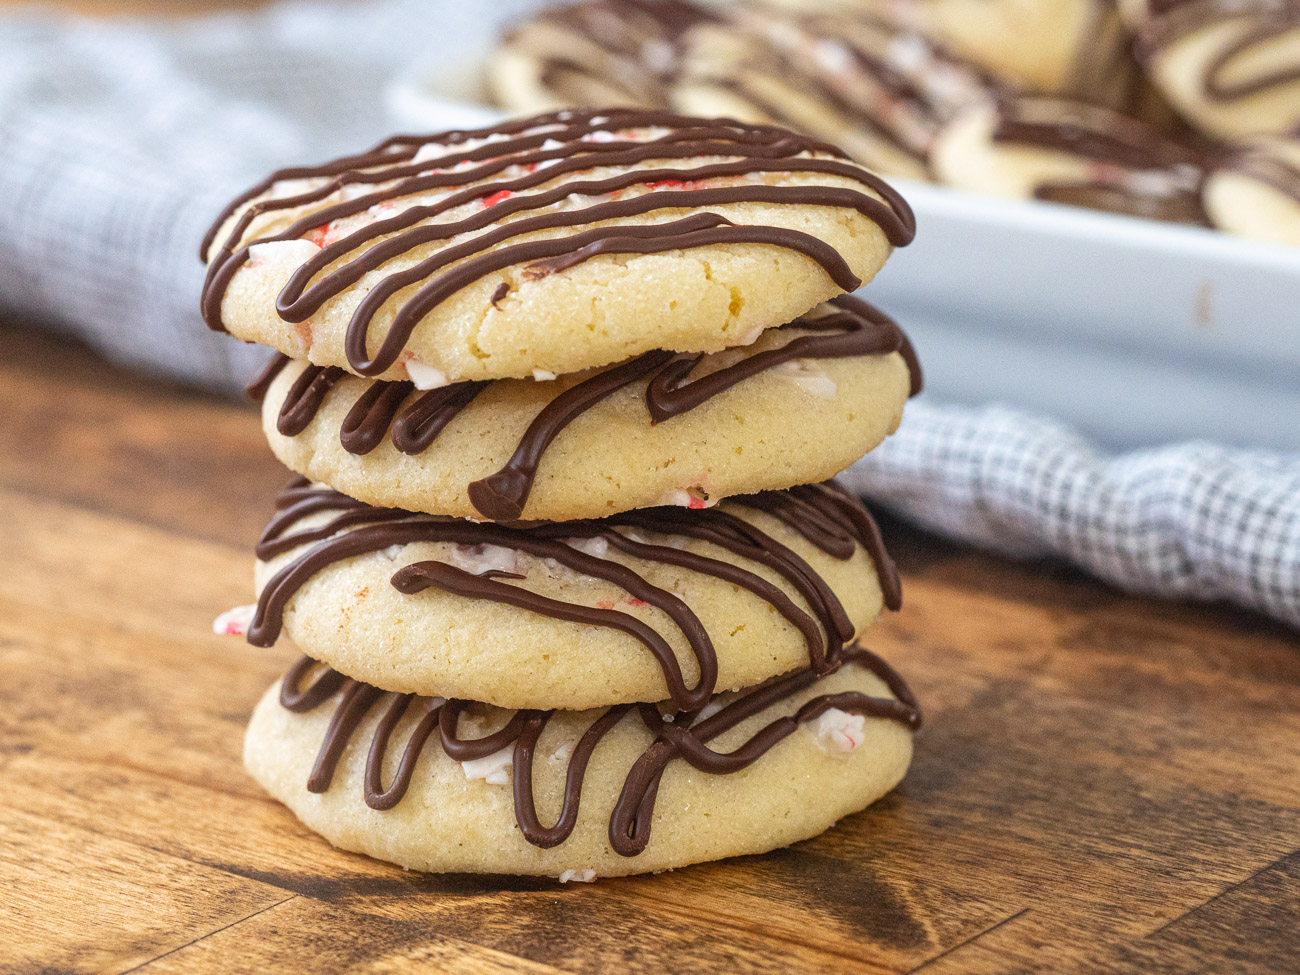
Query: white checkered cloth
[119,142]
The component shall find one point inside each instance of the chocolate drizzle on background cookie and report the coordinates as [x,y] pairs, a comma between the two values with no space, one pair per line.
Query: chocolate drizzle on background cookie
[547,147]
[1172,21]
[825,515]
[853,328]
[684,735]
[1137,170]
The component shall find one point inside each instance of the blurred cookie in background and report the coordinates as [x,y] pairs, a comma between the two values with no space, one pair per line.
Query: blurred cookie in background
[879,90]
[1255,192]
[1038,147]
[1075,48]
[601,52]
[1231,68]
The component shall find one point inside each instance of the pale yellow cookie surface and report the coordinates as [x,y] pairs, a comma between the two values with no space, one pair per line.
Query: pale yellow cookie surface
[448,822]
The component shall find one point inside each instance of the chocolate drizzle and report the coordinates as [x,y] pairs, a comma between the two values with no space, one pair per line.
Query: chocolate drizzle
[852,328]
[545,147]
[1171,21]
[1137,170]
[825,515]
[682,735]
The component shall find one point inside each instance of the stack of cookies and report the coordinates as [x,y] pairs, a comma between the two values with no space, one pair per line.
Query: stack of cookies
[574,595]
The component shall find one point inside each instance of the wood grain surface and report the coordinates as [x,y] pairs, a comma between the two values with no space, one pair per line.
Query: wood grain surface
[1104,783]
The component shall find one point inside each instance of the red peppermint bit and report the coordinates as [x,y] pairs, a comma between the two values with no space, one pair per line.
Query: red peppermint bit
[697,503]
[605,604]
[497,197]
[633,601]
[320,236]
[665,182]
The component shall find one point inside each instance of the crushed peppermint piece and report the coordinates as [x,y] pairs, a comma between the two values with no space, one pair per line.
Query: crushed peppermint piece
[832,55]
[562,754]
[709,710]
[282,189]
[543,375]
[285,252]
[424,376]
[808,376]
[596,546]
[578,876]
[838,731]
[493,769]
[235,622]
[487,558]
[694,498]
[497,197]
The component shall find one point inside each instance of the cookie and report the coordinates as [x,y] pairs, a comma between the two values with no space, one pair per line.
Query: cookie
[799,405]
[1073,48]
[1255,192]
[1070,152]
[1232,69]
[458,787]
[643,606]
[879,90]
[551,244]
[601,52]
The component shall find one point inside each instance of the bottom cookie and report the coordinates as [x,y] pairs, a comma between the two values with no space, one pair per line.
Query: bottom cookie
[461,787]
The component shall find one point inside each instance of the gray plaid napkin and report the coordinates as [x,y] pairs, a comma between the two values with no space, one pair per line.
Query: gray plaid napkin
[119,142]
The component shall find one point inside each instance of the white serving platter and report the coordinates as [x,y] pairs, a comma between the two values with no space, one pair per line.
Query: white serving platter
[1135,332]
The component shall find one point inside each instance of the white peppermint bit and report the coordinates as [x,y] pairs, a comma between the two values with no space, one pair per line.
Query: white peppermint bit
[425,377]
[562,755]
[709,710]
[285,252]
[596,546]
[909,53]
[543,375]
[692,497]
[838,731]
[485,558]
[832,55]
[578,876]
[282,189]
[493,769]
[808,376]
[393,551]
[236,621]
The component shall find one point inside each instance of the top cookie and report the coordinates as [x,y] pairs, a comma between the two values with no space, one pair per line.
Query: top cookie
[546,245]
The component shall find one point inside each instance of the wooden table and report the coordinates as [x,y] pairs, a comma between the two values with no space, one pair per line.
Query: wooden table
[1104,783]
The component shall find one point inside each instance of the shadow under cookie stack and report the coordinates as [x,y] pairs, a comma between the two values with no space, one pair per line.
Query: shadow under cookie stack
[574,593]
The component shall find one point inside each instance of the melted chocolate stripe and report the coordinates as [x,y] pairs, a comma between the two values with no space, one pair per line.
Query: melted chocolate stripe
[371,415]
[681,735]
[502,496]
[377,797]
[305,397]
[824,518]
[525,804]
[420,423]
[418,576]
[259,385]
[549,255]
